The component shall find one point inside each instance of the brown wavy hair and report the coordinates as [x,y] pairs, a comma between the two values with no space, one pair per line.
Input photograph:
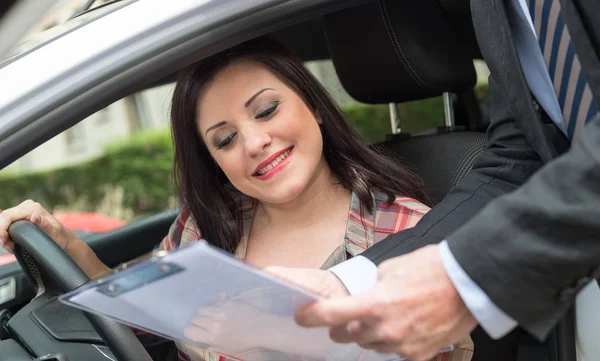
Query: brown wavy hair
[202,184]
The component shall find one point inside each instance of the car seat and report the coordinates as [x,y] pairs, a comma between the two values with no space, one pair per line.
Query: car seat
[408,52]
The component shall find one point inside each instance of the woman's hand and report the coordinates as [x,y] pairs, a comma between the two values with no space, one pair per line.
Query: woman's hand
[67,240]
[228,326]
[36,214]
[238,328]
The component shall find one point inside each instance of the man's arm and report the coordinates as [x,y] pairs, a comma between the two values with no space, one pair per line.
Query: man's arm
[492,319]
[507,162]
[540,244]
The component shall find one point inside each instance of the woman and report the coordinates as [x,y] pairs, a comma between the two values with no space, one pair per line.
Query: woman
[268,169]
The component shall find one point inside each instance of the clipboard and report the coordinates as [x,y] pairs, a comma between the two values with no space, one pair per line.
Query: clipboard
[204,298]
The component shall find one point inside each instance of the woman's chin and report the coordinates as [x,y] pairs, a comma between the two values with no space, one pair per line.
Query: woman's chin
[281,193]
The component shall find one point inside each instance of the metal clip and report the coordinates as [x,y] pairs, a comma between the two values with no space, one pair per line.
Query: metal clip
[134,278]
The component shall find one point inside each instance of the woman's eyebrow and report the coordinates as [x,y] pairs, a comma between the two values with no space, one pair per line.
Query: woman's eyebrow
[246,104]
[249,101]
[219,124]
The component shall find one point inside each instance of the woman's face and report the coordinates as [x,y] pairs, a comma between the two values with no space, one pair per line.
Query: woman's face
[260,132]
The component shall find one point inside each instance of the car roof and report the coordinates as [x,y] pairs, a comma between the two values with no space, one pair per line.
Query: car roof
[42,38]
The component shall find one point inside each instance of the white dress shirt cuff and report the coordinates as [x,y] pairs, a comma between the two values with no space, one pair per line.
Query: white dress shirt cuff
[358,274]
[491,318]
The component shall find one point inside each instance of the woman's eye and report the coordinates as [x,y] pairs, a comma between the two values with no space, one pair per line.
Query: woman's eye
[268,112]
[224,143]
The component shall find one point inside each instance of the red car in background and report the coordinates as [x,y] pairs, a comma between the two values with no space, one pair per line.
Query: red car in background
[6,258]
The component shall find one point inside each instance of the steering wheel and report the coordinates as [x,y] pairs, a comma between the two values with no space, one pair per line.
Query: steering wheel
[38,254]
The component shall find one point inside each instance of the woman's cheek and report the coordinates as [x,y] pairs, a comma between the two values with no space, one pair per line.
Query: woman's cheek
[234,168]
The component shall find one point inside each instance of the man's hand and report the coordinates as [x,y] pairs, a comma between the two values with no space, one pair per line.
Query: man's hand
[321,282]
[414,310]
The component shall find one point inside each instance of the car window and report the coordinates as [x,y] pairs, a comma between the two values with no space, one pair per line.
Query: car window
[110,169]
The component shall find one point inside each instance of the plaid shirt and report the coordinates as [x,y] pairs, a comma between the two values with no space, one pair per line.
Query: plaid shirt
[363,229]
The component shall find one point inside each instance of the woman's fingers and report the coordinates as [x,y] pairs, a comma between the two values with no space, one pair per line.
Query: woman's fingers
[195,333]
[36,214]
[23,211]
[7,244]
[211,312]
[53,228]
[204,330]
[203,321]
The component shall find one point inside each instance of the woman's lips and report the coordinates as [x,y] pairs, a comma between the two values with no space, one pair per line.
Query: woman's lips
[278,167]
[272,158]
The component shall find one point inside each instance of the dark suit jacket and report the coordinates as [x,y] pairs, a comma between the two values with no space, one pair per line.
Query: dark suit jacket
[521,139]
[542,243]
[533,249]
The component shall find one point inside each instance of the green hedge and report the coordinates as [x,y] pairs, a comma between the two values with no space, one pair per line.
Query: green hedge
[373,121]
[133,178]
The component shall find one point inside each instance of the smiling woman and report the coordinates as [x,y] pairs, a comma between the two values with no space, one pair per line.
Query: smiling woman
[241,107]
[267,168]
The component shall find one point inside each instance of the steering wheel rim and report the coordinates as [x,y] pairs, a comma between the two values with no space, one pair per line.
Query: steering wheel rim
[48,256]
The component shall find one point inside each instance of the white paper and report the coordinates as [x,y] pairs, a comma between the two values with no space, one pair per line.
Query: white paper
[224,304]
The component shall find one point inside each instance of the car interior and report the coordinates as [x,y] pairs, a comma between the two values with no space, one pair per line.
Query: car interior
[411,51]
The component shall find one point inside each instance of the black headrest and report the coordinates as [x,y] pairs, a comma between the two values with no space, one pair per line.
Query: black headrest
[398,50]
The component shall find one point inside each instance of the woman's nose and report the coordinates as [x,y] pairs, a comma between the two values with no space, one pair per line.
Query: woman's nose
[255,142]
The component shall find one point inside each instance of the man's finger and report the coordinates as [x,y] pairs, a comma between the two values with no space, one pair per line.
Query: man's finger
[381,347]
[345,333]
[335,311]
[360,333]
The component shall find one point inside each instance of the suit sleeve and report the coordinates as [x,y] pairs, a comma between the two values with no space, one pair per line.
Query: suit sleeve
[540,244]
[506,163]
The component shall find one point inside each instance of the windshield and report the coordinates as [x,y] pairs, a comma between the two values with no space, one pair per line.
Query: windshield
[64,18]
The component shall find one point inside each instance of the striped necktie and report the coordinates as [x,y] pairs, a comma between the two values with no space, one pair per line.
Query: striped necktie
[573,92]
